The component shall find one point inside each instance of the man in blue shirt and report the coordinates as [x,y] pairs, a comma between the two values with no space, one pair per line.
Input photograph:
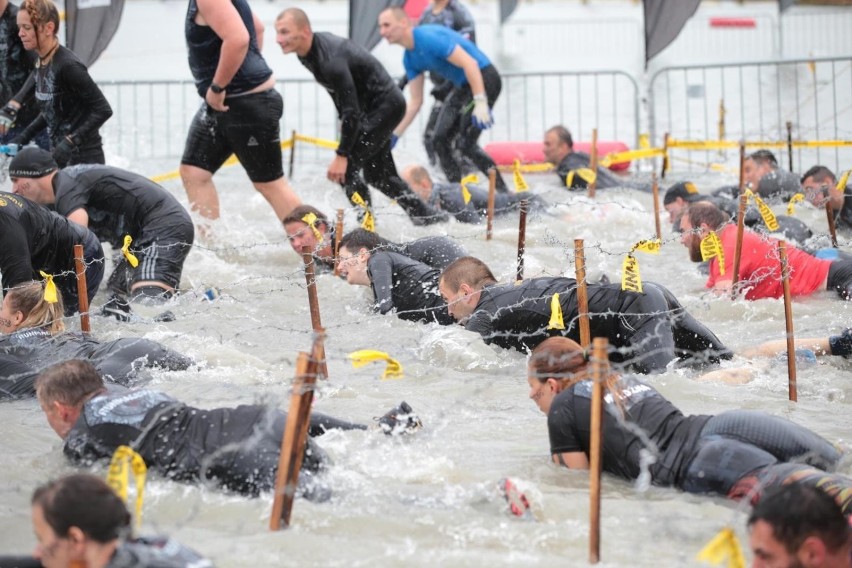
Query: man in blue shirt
[475,80]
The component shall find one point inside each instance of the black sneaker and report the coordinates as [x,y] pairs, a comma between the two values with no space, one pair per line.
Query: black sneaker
[118,308]
[400,420]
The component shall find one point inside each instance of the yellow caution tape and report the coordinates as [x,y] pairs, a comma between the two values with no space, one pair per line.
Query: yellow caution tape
[368,223]
[726,144]
[123,461]
[644,140]
[629,155]
[311,220]
[472,178]
[365,356]
[651,246]
[528,168]
[125,250]
[520,182]
[322,143]
[51,296]
[724,548]
[798,198]
[556,321]
[631,281]
[765,212]
[711,247]
[844,179]
[588,175]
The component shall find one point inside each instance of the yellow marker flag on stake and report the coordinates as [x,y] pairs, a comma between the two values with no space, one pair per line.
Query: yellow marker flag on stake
[585,174]
[364,356]
[123,461]
[472,178]
[125,250]
[311,220]
[711,247]
[520,182]
[798,198]
[768,216]
[724,548]
[51,296]
[556,321]
[631,281]
[368,223]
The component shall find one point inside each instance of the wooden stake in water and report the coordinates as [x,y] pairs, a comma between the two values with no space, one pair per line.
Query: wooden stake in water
[582,293]
[593,162]
[522,238]
[338,234]
[788,319]
[655,189]
[82,288]
[292,155]
[313,301]
[740,224]
[829,214]
[790,143]
[665,166]
[492,196]
[600,368]
[295,435]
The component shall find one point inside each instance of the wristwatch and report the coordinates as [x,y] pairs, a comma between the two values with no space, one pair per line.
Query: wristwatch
[217,89]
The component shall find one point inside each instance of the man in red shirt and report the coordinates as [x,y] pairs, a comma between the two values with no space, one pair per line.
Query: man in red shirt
[760,267]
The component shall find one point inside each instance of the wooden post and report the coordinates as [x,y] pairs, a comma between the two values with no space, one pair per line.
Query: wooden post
[599,373]
[313,302]
[593,162]
[655,189]
[790,143]
[492,195]
[338,234]
[522,238]
[295,435]
[582,293]
[82,288]
[721,119]
[829,214]
[788,318]
[665,166]
[740,224]
[292,155]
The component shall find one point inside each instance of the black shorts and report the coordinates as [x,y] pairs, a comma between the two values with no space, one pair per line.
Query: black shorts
[161,256]
[249,129]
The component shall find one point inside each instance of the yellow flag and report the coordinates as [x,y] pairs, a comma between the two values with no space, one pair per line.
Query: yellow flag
[631,281]
[311,220]
[651,246]
[844,179]
[723,549]
[644,141]
[768,216]
[582,174]
[556,321]
[472,178]
[125,250]
[364,356]
[798,198]
[123,461]
[51,296]
[711,247]
[368,223]
[520,182]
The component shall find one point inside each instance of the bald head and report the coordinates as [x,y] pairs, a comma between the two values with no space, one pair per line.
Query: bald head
[298,17]
[293,32]
[395,27]
[418,179]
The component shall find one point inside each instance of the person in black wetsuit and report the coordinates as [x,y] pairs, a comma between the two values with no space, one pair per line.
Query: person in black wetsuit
[645,434]
[34,239]
[398,282]
[436,251]
[79,520]
[369,106]
[71,105]
[32,334]
[233,448]
[115,204]
[240,111]
[450,197]
[762,174]
[649,330]
[820,185]
[573,168]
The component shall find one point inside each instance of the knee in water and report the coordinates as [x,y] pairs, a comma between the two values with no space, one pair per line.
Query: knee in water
[151,295]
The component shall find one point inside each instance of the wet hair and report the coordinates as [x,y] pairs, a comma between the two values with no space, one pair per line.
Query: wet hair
[295,216]
[821,174]
[706,212]
[28,298]
[84,501]
[467,270]
[419,174]
[763,157]
[796,512]
[70,382]
[300,18]
[563,359]
[563,134]
[359,238]
[42,12]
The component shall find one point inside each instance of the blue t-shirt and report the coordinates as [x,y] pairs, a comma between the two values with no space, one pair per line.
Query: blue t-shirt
[432,46]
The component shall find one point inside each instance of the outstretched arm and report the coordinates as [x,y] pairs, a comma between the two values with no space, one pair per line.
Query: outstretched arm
[572,460]
[819,345]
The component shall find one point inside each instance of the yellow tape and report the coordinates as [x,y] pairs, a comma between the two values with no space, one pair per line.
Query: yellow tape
[726,144]
[765,212]
[556,321]
[588,175]
[711,247]
[630,155]
[472,178]
[798,198]
[368,223]
[125,250]
[520,182]
[651,246]
[51,296]
[631,281]
[322,143]
[724,548]
[844,179]
[123,461]
[365,356]
[528,168]
[311,220]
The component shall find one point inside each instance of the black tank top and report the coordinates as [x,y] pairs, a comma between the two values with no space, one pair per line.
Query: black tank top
[205,46]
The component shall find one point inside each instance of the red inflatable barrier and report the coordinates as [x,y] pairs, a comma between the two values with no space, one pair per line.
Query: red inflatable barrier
[505,153]
[733,23]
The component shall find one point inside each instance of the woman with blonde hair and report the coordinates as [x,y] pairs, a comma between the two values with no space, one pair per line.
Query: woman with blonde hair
[644,434]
